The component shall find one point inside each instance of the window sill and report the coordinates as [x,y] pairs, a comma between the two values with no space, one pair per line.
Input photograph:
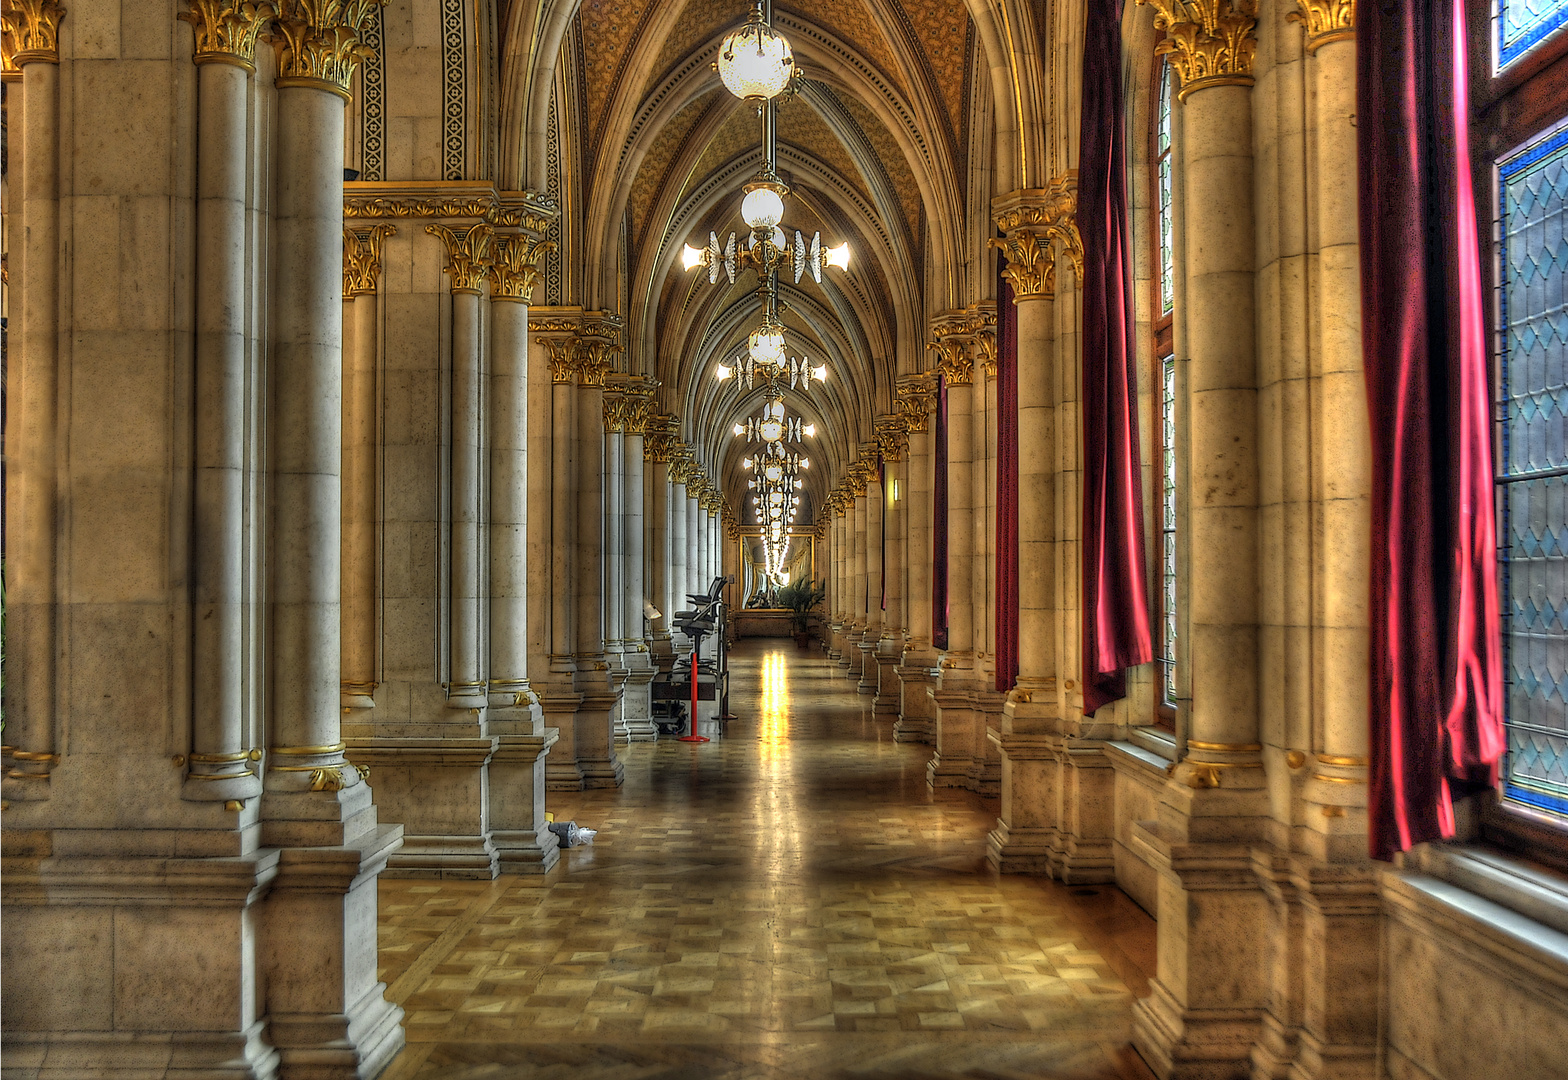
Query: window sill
[1154,740]
[1522,887]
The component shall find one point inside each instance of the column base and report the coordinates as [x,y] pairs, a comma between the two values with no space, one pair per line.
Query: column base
[916,713]
[597,761]
[637,706]
[888,689]
[1019,851]
[987,769]
[853,657]
[870,669]
[439,789]
[953,762]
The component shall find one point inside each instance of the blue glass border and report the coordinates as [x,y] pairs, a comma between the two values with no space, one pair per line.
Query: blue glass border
[1507,54]
[1531,797]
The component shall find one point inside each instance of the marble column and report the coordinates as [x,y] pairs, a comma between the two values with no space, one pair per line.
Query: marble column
[32,486]
[1027,829]
[559,697]
[679,467]
[871,639]
[986,774]
[361,466]
[614,547]
[656,454]
[516,796]
[892,438]
[220,766]
[855,630]
[1210,990]
[916,710]
[838,591]
[952,762]
[595,743]
[326,1008]
[636,701]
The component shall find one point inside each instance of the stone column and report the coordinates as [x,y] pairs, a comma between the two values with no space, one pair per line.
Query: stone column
[952,763]
[891,441]
[656,453]
[916,712]
[838,592]
[1028,829]
[854,658]
[523,843]
[680,469]
[468,263]
[1208,996]
[32,441]
[986,774]
[361,472]
[326,1007]
[220,766]
[614,546]
[875,503]
[636,701]
[560,698]
[595,743]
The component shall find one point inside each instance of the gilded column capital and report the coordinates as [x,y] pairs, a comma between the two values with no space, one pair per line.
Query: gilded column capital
[597,346]
[981,327]
[1210,42]
[1035,220]
[514,272]
[226,30]
[636,402]
[362,259]
[29,34]
[563,359]
[892,436]
[657,437]
[318,42]
[916,399]
[467,255]
[681,463]
[1325,21]
[950,341]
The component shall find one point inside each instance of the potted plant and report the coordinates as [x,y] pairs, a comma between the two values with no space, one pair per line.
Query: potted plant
[802,597]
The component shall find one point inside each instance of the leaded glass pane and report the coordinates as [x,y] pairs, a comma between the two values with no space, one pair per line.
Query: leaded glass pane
[1524,24]
[1168,527]
[1533,469]
[1167,249]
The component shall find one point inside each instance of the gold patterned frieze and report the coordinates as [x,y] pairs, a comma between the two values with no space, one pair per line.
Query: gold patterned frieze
[29,34]
[468,256]
[362,259]
[226,30]
[1325,21]
[1210,42]
[529,211]
[514,271]
[318,42]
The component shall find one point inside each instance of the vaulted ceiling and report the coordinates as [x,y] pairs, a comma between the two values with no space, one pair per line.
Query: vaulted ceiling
[877,148]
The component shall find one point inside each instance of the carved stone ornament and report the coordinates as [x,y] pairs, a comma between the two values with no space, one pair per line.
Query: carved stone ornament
[529,210]
[318,42]
[362,259]
[1210,42]
[1325,21]
[638,405]
[515,270]
[982,336]
[467,255]
[657,438]
[950,341]
[226,31]
[29,34]
[1031,264]
[892,437]
[916,399]
[595,360]
[563,357]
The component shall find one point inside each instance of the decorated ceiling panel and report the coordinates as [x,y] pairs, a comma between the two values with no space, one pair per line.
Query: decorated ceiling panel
[654,175]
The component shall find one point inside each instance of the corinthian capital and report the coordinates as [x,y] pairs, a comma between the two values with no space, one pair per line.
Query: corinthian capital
[950,342]
[318,42]
[1036,221]
[916,399]
[29,34]
[1325,20]
[362,259]
[467,254]
[1210,42]
[226,30]
[515,270]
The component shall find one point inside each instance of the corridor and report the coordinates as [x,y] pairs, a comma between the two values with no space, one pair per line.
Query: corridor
[788,901]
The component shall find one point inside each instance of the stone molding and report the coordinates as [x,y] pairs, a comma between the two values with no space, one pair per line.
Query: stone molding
[530,211]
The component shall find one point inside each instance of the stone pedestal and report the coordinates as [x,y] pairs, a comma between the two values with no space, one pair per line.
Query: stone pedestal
[438,787]
[518,832]
[916,708]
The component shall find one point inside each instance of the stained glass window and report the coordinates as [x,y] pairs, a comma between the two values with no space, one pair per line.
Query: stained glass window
[1163,152]
[1168,530]
[1524,24]
[1533,468]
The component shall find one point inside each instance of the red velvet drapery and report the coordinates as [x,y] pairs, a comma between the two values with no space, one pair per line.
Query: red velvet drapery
[939,518]
[1115,590]
[1436,672]
[1006,483]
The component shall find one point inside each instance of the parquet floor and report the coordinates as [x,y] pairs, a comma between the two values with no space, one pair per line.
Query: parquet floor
[787,902]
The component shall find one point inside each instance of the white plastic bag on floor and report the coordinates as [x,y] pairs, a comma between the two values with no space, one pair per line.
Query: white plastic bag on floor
[571,835]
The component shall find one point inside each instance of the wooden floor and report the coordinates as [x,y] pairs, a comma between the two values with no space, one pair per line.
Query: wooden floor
[789,901]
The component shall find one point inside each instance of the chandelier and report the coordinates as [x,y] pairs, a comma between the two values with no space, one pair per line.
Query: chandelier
[775,425]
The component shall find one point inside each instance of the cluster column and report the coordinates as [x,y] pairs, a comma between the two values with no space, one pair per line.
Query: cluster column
[871,638]
[917,665]
[636,700]
[892,438]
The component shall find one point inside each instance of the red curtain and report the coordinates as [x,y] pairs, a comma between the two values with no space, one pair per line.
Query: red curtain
[1436,671]
[1006,483]
[939,519]
[1115,591]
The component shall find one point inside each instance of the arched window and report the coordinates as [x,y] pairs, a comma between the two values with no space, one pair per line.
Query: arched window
[1519,116]
[1164,382]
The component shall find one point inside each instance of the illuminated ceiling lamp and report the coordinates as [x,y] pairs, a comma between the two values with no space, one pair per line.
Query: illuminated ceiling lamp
[755,62]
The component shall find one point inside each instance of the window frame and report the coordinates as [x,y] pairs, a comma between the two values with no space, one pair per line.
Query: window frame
[1510,109]
[1161,85]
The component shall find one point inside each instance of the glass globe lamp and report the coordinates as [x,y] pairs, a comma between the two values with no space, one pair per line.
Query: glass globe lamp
[766,344]
[763,207]
[774,473]
[755,62]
